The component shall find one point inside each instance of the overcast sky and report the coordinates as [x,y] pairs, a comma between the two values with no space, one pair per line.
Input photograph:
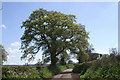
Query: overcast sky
[100,20]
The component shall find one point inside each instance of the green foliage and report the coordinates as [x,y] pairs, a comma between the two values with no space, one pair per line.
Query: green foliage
[45,73]
[107,68]
[30,72]
[63,58]
[83,57]
[105,72]
[54,33]
[62,68]
[56,69]
[19,72]
[4,53]
[84,54]
[82,67]
[93,56]
[70,66]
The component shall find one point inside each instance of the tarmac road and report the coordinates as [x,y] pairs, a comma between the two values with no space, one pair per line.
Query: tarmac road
[66,75]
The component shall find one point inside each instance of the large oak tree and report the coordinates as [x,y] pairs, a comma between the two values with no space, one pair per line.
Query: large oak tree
[54,33]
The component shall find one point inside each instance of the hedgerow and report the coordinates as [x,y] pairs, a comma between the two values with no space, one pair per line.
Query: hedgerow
[106,68]
[30,72]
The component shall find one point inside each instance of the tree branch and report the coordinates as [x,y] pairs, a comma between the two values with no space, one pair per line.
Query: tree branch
[44,38]
[60,51]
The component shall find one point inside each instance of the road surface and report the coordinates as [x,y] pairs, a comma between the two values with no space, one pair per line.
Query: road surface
[66,75]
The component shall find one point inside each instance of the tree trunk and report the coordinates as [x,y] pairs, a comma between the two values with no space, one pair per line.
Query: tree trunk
[79,61]
[53,59]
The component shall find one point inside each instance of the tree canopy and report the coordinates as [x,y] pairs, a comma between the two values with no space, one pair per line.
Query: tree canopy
[54,33]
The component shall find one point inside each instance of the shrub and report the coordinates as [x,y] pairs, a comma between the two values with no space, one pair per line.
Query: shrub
[62,68]
[56,69]
[70,66]
[45,73]
[30,72]
[107,69]
[81,68]
[19,72]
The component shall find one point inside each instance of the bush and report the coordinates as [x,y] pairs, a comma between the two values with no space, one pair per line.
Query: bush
[56,69]
[19,72]
[108,68]
[81,68]
[104,72]
[69,66]
[45,73]
[30,72]
[62,68]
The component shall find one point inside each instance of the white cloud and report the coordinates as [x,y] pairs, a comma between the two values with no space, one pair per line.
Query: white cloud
[15,44]
[3,26]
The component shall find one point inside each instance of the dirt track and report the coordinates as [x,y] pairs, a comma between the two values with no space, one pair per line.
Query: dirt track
[66,75]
